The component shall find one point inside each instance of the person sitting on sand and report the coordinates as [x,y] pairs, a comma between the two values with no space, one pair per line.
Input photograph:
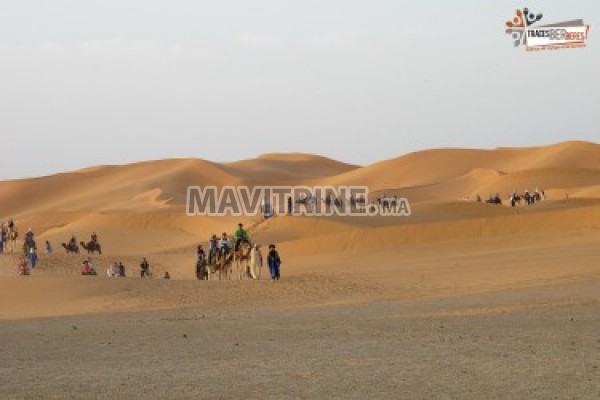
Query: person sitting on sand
[241,236]
[144,268]
[23,266]
[121,270]
[274,263]
[87,268]
[167,276]
[225,244]
[113,270]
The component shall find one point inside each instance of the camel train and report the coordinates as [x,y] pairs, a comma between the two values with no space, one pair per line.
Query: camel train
[243,263]
[93,246]
[221,260]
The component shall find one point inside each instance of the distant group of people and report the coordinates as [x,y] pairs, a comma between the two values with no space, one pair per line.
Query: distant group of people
[515,199]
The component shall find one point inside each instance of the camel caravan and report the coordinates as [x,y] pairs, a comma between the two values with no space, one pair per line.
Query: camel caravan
[93,246]
[515,199]
[242,261]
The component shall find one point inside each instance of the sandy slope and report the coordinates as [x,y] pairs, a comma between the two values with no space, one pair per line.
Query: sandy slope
[137,211]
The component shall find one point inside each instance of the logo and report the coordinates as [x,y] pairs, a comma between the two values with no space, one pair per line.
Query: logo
[318,201]
[525,31]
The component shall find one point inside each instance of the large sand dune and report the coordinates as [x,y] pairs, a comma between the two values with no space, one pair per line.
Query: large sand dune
[138,211]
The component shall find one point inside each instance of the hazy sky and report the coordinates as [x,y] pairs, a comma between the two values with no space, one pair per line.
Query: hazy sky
[106,81]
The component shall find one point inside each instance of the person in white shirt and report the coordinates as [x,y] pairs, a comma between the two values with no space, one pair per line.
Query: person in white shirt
[225,244]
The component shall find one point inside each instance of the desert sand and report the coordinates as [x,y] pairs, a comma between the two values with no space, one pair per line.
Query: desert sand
[461,300]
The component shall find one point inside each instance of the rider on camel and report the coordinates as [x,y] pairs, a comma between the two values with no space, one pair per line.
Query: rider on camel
[94,238]
[29,238]
[225,244]
[241,236]
[72,242]
[213,248]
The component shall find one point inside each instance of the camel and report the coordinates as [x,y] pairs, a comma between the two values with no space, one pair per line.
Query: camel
[91,247]
[242,258]
[222,265]
[202,271]
[12,240]
[256,262]
[71,248]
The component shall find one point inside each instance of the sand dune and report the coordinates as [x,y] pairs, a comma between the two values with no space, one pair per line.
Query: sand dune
[437,166]
[137,210]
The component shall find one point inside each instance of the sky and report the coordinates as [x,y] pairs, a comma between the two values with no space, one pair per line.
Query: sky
[93,82]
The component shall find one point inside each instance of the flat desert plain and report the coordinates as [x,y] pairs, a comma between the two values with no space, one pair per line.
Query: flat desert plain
[461,300]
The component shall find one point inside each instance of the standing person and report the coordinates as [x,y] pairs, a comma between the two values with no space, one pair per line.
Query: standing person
[32,257]
[274,262]
[121,270]
[144,268]
[48,247]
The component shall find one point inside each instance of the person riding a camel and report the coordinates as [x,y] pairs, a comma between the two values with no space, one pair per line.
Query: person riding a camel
[72,242]
[213,248]
[213,243]
[29,238]
[94,238]
[225,245]
[241,236]
[200,253]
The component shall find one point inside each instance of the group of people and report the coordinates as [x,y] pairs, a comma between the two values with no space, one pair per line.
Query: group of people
[222,247]
[8,236]
[530,198]
[117,269]
[217,247]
